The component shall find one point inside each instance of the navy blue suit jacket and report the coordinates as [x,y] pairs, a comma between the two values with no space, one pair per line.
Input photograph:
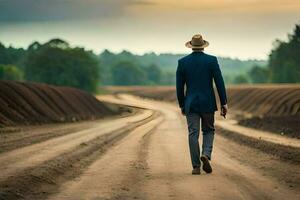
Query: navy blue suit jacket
[197,71]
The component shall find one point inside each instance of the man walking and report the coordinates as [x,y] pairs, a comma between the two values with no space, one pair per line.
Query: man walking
[197,72]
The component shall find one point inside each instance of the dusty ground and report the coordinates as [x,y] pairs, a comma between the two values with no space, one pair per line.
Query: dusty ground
[21,136]
[34,171]
[142,156]
[156,165]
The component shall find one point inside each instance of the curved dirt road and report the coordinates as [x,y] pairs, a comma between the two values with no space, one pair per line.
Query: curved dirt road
[140,156]
[154,163]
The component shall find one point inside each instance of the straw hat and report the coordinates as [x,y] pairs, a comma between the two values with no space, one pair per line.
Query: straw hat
[197,42]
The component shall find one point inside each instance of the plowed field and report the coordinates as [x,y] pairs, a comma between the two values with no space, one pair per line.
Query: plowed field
[24,103]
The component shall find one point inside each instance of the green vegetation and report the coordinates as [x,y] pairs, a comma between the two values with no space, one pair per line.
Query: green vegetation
[143,70]
[240,79]
[259,74]
[284,62]
[55,62]
[11,55]
[153,74]
[160,69]
[10,72]
[10,63]
[127,73]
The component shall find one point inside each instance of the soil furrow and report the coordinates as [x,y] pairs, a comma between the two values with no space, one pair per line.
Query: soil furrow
[285,153]
[17,160]
[25,136]
[39,181]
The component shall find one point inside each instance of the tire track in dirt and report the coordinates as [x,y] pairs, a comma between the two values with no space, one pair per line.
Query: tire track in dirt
[286,173]
[8,145]
[40,152]
[284,152]
[118,173]
[168,175]
[38,181]
[24,136]
[133,183]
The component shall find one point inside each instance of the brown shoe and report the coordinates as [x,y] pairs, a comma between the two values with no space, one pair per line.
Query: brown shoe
[206,165]
[196,171]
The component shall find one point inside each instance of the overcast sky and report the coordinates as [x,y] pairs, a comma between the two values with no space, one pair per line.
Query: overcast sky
[235,28]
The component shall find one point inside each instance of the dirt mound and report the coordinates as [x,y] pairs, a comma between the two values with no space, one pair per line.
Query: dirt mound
[266,100]
[283,125]
[24,103]
[274,108]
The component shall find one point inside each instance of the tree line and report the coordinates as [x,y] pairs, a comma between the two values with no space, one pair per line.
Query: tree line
[53,62]
[283,65]
[56,62]
[126,68]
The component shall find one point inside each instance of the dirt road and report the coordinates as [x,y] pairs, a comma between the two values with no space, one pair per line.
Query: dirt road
[144,156]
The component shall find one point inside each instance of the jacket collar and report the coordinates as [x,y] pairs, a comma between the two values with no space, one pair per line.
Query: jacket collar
[196,52]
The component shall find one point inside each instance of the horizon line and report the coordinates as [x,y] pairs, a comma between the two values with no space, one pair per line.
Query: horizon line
[99,51]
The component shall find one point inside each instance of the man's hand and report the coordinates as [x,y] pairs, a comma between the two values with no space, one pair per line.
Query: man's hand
[182,111]
[224,110]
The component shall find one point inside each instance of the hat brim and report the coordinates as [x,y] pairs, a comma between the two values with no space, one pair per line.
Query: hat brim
[189,45]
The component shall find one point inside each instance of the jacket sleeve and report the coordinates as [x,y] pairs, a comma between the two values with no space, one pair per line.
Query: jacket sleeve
[218,79]
[180,82]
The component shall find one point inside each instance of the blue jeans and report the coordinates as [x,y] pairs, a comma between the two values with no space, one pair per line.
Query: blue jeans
[208,130]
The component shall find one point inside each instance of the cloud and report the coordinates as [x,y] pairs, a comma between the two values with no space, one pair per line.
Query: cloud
[57,10]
